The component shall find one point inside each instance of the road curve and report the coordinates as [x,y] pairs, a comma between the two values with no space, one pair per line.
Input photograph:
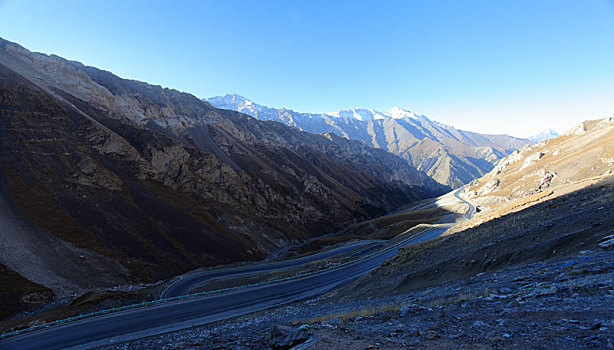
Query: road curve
[189,283]
[168,316]
[471,210]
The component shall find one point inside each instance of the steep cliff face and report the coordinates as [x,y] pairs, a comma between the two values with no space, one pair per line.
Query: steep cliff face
[162,182]
[450,156]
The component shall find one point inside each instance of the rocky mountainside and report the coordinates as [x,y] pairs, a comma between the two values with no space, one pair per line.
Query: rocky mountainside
[538,276]
[131,181]
[450,156]
[585,152]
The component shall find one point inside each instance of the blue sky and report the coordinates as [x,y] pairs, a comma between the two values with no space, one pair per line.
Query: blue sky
[512,67]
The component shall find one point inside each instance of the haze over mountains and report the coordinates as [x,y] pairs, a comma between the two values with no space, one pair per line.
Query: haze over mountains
[127,181]
[544,135]
[451,156]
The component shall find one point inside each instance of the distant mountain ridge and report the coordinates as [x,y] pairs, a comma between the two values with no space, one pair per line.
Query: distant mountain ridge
[544,135]
[451,156]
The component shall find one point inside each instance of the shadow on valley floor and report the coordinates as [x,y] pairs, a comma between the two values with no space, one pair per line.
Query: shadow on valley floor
[561,226]
[12,297]
[382,228]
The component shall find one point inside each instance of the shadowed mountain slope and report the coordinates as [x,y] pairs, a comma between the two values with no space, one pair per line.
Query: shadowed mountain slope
[549,201]
[137,182]
[450,156]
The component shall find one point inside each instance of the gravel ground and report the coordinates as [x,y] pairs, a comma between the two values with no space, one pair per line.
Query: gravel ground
[566,302]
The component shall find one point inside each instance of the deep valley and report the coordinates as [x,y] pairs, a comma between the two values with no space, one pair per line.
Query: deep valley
[134,216]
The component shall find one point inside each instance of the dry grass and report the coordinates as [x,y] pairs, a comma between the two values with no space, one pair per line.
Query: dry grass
[556,226]
[571,157]
[236,281]
[385,227]
[518,204]
[389,310]
[460,298]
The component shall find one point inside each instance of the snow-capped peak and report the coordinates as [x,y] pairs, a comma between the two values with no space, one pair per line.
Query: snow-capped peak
[544,135]
[371,114]
[239,103]
[358,114]
[400,113]
[230,101]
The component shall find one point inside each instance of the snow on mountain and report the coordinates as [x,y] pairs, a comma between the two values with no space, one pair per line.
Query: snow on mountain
[358,114]
[244,105]
[400,113]
[452,157]
[544,135]
[241,104]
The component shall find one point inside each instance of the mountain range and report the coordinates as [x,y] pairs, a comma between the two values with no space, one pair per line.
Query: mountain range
[544,135]
[105,180]
[451,156]
[129,212]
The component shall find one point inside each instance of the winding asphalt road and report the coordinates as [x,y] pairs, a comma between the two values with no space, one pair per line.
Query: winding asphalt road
[471,210]
[187,312]
[189,283]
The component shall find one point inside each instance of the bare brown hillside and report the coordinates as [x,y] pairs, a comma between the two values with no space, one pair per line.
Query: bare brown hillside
[548,169]
[549,200]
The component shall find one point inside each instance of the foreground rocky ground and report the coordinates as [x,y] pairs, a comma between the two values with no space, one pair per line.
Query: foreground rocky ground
[564,302]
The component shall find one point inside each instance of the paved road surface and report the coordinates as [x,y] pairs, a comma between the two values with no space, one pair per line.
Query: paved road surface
[471,210]
[184,313]
[189,283]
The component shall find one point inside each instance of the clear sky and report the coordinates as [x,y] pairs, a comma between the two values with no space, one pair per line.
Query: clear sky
[513,67]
